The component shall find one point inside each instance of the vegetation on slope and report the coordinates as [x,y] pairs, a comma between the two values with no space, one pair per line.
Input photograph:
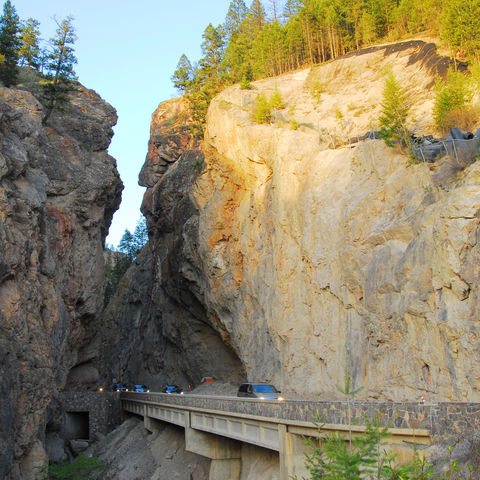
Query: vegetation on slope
[20,45]
[251,44]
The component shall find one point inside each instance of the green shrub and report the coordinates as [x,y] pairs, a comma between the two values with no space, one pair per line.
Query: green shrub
[263,109]
[475,71]
[395,108]
[81,468]
[363,458]
[276,100]
[359,458]
[316,91]
[245,83]
[451,95]
[198,164]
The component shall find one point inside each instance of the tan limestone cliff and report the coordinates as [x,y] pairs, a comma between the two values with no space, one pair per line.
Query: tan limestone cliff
[322,260]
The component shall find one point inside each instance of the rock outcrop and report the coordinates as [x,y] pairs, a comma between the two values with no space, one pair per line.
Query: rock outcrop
[308,255]
[324,261]
[58,191]
[157,327]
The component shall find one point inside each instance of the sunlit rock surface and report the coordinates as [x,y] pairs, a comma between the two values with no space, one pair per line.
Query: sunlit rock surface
[302,254]
[322,260]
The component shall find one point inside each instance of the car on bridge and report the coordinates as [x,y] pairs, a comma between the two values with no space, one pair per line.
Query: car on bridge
[120,387]
[262,391]
[141,388]
[171,389]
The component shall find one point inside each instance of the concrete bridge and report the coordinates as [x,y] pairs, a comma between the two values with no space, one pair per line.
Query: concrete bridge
[216,426]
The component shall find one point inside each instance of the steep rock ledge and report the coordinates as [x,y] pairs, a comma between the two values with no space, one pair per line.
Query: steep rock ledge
[58,191]
[320,260]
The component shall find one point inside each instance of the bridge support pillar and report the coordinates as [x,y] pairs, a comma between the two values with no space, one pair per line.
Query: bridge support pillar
[225,469]
[291,454]
[225,453]
[148,423]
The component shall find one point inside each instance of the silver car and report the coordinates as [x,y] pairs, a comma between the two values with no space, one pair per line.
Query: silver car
[262,391]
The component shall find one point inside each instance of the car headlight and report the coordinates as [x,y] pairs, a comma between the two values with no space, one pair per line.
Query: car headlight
[100,389]
[181,393]
[126,389]
[148,391]
[280,399]
[262,398]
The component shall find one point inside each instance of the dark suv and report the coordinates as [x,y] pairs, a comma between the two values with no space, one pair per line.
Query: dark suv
[141,388]
[263,391]
[172,389]
[120,387]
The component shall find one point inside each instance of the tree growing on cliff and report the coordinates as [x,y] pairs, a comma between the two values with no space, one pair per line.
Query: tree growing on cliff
[60,61]
[452,98]
[9,44]
[183,75]
[395,108]
[236,14]
[208,79]
[29,53]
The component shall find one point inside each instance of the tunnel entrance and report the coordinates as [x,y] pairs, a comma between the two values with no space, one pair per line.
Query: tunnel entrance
[77,425]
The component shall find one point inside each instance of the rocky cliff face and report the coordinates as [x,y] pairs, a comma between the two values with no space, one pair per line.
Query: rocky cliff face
[311,254]
[58,191]
[320,261]
[158,328]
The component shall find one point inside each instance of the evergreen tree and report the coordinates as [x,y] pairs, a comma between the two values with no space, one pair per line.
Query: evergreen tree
[237,60]
[9,44]
[256,15]
[208,75]
[131,243]
[461,25]
[294,43]
[60,61]
[268,50]
[127,244]
[140,234]
[115,267]
[183,75]
[273,9]
[212,49]
[452,96]
[236,14]
[29,43]
[291,8]
[395,108]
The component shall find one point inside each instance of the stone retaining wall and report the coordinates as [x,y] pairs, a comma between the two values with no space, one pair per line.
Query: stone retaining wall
[104,409]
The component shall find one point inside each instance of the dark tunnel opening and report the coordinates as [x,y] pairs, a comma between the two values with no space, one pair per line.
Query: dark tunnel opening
[77,425]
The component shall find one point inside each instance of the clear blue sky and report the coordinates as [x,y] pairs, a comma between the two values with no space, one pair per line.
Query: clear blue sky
[127,51]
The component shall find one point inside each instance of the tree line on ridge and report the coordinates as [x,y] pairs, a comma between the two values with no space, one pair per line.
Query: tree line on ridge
[251,44]
[21,45]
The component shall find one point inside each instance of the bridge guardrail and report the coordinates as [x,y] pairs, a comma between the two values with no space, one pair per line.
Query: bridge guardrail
[442,419]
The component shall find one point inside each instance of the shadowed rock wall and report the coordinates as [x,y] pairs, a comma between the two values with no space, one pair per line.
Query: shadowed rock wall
[58,191]
[158,328]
